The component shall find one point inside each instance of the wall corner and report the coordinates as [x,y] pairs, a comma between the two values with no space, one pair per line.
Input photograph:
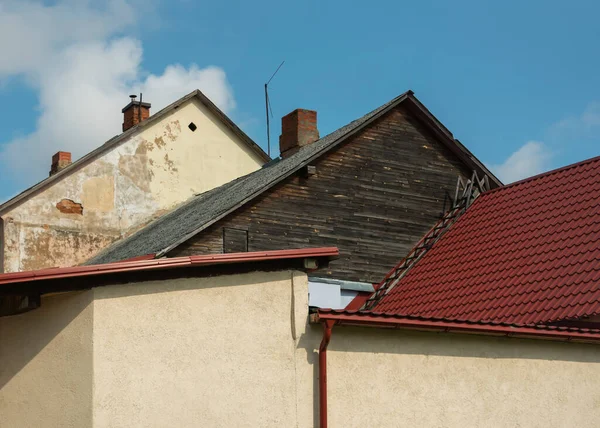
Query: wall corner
[2,245]
[299,285]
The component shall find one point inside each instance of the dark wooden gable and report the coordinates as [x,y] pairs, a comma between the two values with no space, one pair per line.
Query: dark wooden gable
[374,196]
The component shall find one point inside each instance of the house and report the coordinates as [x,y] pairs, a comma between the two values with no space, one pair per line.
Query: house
[495,324]
[451,343]
[158,162]
[188,341]
[371,188]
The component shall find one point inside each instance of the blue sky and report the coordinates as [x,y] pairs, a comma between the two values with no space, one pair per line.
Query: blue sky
[517,82]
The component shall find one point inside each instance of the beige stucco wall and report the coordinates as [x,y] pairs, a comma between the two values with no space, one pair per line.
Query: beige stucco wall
[46,364]
[153,171]
[214,352]
[393,378]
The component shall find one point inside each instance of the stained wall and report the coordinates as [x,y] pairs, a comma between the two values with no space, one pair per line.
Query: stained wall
[124,188]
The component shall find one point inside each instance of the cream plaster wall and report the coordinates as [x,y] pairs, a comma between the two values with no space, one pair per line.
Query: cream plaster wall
[126,187]
[401,379]
[46,364]
[213,352]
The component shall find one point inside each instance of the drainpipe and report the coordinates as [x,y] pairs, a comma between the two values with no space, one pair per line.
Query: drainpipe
[327,327]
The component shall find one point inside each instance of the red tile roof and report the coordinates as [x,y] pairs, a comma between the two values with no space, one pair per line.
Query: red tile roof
[527,253]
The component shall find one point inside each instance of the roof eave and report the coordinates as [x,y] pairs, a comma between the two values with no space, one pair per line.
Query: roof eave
[85,277]
[522,332]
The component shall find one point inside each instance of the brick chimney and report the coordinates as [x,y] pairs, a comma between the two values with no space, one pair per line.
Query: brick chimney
[135,112]
[298,129]
[60,161]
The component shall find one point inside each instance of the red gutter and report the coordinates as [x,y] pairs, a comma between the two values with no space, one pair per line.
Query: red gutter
[327,328]
[382,320]
[167,263]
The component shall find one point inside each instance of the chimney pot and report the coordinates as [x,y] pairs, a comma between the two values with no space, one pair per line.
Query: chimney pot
[133,112]
[298,129]
[60,161]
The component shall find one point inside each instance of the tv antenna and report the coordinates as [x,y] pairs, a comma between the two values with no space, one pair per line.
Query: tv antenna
[140,109]
[268,109]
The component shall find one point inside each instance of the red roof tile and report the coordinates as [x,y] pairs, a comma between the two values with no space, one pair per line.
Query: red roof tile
[526,253]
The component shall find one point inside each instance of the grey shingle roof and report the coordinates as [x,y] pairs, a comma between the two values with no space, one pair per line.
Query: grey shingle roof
[202,210]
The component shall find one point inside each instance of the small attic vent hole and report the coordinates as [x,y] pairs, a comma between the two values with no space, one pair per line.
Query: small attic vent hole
[192,126]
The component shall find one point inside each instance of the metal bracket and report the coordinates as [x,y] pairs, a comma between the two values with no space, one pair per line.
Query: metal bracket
[467,190]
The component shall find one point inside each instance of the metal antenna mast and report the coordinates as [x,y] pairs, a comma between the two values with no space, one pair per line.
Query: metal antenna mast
[267,108]
[140,109]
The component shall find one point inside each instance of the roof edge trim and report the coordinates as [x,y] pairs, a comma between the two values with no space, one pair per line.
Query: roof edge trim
[349,318]
[176,262]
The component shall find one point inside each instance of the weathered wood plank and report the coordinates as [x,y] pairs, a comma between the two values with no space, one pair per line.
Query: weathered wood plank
[373,197]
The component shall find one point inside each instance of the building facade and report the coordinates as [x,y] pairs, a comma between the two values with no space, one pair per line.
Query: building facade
[239,350]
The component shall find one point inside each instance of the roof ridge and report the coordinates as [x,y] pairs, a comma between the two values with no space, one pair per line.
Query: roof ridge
[543,175]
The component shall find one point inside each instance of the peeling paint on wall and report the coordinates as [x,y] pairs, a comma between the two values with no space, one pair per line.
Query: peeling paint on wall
[99,194]
[67,206]
[62,247]
[125,188]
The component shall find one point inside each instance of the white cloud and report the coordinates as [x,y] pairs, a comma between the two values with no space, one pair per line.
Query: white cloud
[212,80]
[577,127]
[31,33]
[84,70]
[532,158]
[535,157]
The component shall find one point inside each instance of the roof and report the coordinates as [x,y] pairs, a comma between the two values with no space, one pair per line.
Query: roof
[406,322]
[524,254]
[203,210]
[81,162]
[45,280]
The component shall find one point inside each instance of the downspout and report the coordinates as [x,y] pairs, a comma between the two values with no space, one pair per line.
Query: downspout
[327,327]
